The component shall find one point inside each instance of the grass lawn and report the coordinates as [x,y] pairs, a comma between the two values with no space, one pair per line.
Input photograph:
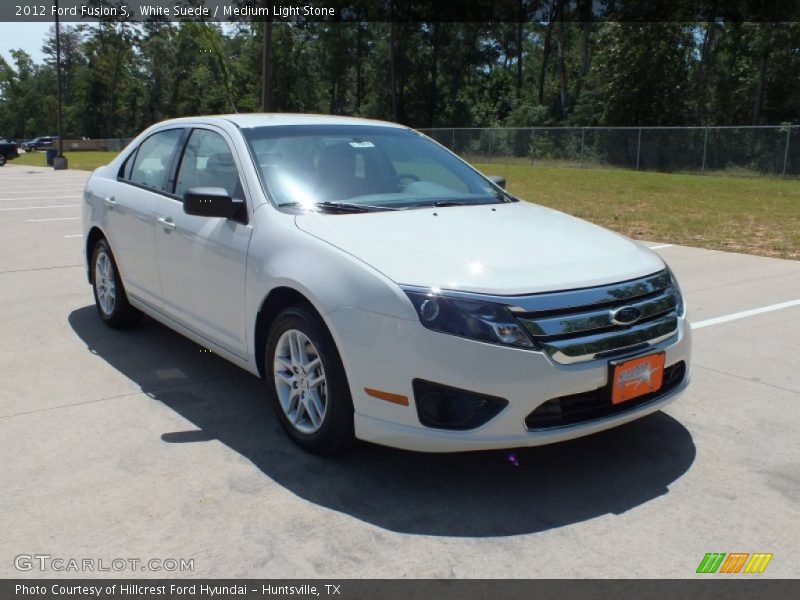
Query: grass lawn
[84,161]
[739,214]
[752,215]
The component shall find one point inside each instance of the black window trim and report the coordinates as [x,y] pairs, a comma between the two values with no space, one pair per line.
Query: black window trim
[171,176]
[131,157]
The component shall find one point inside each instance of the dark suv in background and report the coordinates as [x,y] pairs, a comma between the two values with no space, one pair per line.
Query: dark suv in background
[40,143]
[8,150]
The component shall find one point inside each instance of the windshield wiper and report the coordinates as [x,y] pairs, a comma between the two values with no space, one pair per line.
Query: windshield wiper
[341,206]
[352,206]
[445,203]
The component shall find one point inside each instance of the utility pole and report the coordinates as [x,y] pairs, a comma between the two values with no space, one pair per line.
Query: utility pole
[60,161]
[392,69]
[266,68]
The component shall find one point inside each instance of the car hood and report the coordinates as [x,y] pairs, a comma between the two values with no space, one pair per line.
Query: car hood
[515,248]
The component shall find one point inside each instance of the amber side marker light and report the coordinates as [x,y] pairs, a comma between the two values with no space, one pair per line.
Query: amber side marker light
[393,398]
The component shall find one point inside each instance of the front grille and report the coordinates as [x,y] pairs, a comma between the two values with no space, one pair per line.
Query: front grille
[596,404]
[590,323]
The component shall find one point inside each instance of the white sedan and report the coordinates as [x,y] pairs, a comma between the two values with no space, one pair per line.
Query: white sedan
[383,288]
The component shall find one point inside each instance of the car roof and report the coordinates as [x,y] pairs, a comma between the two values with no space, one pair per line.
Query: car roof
[249,120]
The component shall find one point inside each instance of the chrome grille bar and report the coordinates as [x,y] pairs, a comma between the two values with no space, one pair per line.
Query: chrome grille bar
[574,323]
[585,348]
[579,325]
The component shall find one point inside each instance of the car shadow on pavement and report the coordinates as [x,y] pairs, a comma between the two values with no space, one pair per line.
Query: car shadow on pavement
[478,494]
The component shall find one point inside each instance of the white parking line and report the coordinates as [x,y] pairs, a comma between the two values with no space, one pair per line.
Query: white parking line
[40,207]
[74,236]
[15,190]
[50,182]
[38,198]
[53,219]
[27,193]
[39,182]
[50,176]
[661,246]
[745,313]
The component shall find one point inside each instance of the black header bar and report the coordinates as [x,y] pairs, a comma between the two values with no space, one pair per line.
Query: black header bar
[711,587]
[142,11]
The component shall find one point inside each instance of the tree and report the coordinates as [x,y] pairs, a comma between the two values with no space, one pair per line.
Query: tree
[120,78]
[642,72]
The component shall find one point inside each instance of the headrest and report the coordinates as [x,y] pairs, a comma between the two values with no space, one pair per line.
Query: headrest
[223,161]
[337,159]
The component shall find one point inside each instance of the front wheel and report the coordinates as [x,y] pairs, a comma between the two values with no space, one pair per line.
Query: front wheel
[306,382]
[109,292]
[2,160]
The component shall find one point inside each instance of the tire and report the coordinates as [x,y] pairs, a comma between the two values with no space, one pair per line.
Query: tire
[325,431]
[2,160]
[114,309]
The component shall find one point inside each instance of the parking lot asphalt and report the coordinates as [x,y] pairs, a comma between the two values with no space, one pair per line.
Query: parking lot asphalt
[139,445]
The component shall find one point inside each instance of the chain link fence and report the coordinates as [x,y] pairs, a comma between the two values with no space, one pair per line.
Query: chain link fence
[108,145]
[745,150]
[755,150]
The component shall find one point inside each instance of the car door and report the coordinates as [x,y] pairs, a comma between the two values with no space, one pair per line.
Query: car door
[131,211]
[202,260]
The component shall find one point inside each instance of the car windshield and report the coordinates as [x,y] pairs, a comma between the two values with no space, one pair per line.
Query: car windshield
[372,167]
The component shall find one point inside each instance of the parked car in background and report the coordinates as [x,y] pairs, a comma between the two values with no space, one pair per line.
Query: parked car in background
[8,151]
[382,287]
[40,143]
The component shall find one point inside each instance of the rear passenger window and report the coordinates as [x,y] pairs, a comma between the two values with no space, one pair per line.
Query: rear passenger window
[208,162]
[152,160]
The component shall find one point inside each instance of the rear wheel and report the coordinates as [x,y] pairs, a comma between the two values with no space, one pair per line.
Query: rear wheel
[109,292]
[306,382]
[2,160]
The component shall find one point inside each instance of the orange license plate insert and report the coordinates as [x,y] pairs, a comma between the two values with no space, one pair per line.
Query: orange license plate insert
[637,377]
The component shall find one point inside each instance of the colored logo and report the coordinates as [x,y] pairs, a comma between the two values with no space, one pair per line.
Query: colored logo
[735,562]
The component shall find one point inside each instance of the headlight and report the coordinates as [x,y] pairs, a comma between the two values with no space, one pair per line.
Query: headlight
[474,319]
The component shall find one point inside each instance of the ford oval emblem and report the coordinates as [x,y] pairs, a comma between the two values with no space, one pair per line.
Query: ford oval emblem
[627,315]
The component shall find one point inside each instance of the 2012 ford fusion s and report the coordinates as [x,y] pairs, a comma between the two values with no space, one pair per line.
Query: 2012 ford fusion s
[383,288]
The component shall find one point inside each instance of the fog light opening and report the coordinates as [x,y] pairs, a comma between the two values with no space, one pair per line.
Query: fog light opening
[444,407]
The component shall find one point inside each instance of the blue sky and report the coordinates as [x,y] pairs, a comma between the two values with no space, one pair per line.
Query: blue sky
[28,36]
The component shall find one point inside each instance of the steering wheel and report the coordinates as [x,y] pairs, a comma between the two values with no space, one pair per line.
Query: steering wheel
[401,176]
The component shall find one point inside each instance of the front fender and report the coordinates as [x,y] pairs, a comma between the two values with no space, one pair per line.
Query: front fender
[281,255]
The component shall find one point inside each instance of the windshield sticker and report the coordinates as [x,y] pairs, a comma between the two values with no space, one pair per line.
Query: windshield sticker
[362,144]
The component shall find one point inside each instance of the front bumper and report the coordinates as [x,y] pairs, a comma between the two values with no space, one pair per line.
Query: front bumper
[387,353]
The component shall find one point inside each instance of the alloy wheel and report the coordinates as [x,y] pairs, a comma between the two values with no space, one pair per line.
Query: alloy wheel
[300,381]
[104,283]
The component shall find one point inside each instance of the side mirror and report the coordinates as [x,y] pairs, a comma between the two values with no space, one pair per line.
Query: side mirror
[211,202]
[499,180]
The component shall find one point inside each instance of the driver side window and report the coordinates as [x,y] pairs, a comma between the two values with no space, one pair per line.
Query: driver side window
[208,162]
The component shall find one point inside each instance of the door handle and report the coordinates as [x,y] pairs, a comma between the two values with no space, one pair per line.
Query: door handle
[167,223]
[110,201]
